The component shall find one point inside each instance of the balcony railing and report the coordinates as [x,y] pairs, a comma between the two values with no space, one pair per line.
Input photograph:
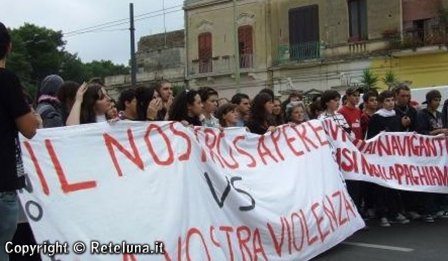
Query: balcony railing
[420,38]
[246,61]
[221,65]
[304,51]
[205,66]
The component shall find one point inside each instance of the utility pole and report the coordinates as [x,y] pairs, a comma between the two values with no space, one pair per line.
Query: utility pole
[237,49]
[133,61]
[164,22]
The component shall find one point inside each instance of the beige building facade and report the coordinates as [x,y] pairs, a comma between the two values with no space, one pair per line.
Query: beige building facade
[213,63]
[303,44]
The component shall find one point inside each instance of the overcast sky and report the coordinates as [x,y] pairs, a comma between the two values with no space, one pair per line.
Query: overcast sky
[69,15]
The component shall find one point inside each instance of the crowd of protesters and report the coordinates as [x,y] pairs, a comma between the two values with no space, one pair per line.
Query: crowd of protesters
[389,111]
[63,103]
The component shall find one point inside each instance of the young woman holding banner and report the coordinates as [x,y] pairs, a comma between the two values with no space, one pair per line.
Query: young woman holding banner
[149,103]
[261,120]
[227,115]
[186,108]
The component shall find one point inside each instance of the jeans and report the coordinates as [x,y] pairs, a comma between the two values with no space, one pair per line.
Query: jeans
[9,209]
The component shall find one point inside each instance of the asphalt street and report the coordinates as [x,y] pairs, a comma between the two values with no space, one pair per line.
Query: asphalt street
[413,241]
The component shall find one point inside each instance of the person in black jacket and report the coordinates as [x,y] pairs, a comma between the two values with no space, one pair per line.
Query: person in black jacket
[49,107]
[388,201]
[429,120]
[445,114]
[406,113]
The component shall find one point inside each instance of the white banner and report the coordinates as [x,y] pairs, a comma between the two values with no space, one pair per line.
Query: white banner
[197,194]
[399,160]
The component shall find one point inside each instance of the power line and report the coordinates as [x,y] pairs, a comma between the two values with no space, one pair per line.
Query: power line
[140,17]
[174,11]
[116,22]
[99,31]
[104,27]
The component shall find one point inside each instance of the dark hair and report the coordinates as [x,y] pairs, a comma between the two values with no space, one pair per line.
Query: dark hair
[222,111]
[361,106]
[125,96]
[206,92]
[258,112]
[344,98]
[367,95]
[144,96]
[327,96]
[92,94]
[400,87]
[237,98]
[67,96]
[268,91]
[314,108]
[431,95]
[279,119]
[5,40]
[316,97]
[384,95]
[179,108]
[97,80]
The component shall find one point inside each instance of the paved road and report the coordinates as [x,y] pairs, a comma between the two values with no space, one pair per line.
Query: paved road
[409,242]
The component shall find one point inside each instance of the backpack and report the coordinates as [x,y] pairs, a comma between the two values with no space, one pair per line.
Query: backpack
[51,117]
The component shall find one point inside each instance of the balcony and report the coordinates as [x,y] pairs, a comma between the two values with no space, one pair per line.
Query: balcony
[420,38]
[205,66]
[220,65]
[246,61]
[299,52]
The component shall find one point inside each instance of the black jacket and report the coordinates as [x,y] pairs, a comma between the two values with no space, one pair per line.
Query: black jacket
[380,123]
[409,111]
[427,122]
[445,114]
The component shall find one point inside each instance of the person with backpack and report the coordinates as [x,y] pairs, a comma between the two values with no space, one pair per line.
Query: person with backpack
[48,106]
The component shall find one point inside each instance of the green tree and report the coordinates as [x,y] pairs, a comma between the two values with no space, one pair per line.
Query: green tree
[72,68]
[39,51]
[390,80]
[369,80]
[104,68]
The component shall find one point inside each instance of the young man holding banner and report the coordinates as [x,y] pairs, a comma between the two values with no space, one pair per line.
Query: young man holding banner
[388,201]
[352,115]
[15,115]
[429,122]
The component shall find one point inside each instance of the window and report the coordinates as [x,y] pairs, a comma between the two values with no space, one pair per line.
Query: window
[357,11]
[205,52]
[245,46]
[304,32]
